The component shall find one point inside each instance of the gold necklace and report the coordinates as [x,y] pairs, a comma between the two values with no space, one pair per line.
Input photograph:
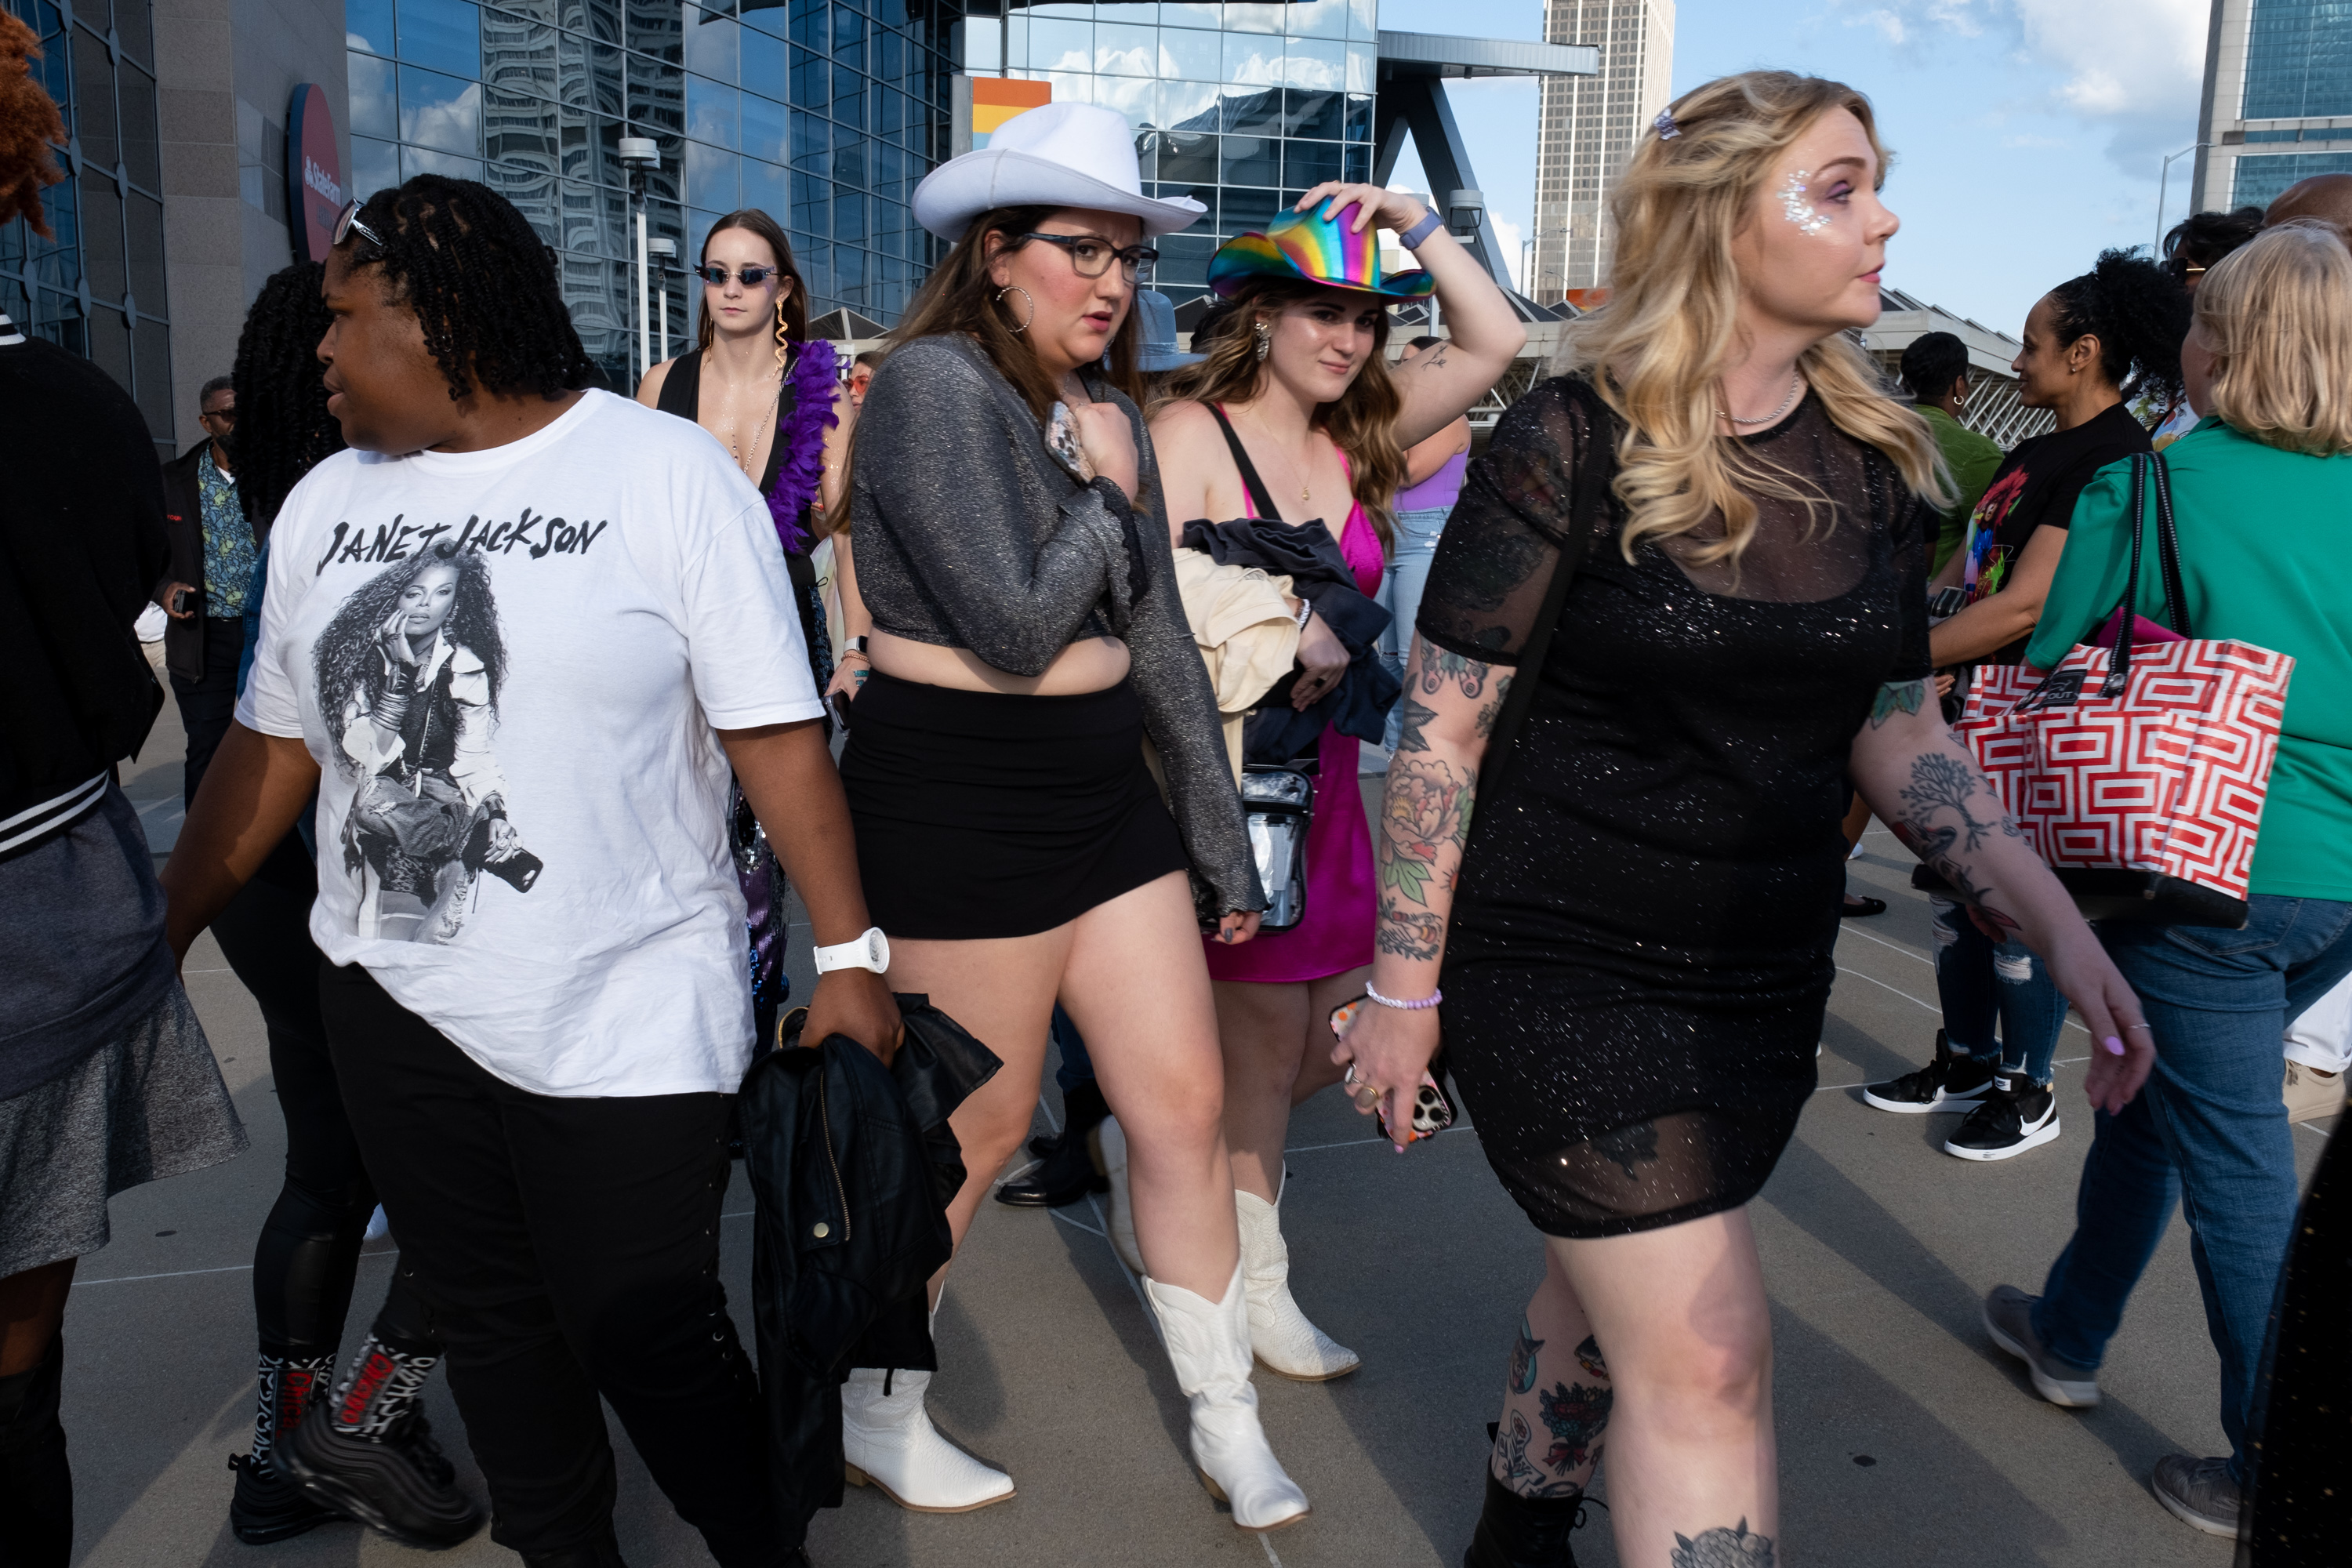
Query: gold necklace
[1305,496]
[735,447]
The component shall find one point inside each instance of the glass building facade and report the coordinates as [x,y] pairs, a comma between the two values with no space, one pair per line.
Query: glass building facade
[98,286]
[1241,106]
[2279,84]
[825,114]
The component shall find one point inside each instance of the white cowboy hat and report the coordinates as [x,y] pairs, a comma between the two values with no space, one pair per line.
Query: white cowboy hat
[1058,154]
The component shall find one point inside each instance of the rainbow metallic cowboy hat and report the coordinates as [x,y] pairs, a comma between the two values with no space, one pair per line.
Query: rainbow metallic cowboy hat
[1308,248]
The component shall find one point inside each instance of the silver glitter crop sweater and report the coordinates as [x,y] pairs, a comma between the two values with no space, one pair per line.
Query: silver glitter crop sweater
[969,534]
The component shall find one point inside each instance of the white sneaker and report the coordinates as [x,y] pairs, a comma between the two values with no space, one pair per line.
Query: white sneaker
[1280,1336]
[888,1441]
[1110,1153]
[1208,1344]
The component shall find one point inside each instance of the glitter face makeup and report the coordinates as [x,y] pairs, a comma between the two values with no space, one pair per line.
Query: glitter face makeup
[1797,209]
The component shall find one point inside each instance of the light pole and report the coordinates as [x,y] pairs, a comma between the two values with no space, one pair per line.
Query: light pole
[641,156]
[2161,181]
[666,249]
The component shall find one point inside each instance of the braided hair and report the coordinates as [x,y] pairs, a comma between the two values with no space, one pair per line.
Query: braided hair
[347,657]
[2139,313]
[283,428]
[482,283]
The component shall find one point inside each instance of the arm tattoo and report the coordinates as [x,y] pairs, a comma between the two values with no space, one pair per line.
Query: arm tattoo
[1425,808]
[1412,721]
[1904,695]
[1440,667]
[1943,784]
[1721,1548]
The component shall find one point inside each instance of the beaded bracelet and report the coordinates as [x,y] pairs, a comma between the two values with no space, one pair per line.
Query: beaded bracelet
[1432,1000]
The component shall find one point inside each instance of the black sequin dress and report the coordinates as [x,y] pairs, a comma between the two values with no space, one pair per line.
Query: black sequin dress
[1638,957]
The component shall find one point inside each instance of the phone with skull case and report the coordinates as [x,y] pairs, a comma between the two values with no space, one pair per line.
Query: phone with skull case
[1433,1108]
[1062,440]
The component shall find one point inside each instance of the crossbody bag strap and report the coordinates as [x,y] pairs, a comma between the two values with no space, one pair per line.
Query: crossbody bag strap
[1260,497]
[1586,495]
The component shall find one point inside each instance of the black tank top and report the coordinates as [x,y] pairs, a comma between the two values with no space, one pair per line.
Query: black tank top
[681,393]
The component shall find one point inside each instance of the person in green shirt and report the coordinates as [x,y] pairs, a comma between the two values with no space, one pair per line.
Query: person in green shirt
[2262,491]
[1936,373]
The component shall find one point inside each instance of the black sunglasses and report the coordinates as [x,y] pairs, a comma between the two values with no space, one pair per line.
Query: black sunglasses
[347,223]
[1092,256]
[752,276]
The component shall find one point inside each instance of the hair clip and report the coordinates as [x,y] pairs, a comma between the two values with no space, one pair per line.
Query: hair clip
[1664,125]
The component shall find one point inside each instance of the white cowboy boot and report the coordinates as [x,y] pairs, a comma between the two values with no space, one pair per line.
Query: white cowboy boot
[1284,1340]
[1208,1344]
[888,1441]
[1110,1152]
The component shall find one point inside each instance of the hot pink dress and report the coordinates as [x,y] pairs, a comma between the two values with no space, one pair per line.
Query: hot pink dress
[1342,899]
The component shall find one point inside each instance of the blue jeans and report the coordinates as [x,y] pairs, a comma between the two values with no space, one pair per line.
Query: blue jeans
[1401,585]
[1978,980]
[2209,1129]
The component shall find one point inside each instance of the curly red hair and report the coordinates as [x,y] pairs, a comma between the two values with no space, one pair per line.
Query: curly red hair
[29,127]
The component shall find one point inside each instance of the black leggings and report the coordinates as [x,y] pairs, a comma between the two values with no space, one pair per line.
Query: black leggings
[309,1252]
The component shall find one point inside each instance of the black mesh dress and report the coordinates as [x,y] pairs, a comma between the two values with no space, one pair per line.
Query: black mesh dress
[1639,956]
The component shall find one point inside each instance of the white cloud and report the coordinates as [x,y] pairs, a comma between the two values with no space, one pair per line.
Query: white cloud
[2136,65]
[1890,27]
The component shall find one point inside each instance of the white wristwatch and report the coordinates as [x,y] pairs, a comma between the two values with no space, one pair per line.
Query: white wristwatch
[871,951]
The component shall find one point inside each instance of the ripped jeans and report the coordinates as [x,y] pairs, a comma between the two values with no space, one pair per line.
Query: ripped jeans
[1979,981]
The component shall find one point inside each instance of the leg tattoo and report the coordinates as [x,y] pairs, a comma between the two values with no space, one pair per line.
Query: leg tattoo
[1573,1414]
[1523,1359]
[1720,1548]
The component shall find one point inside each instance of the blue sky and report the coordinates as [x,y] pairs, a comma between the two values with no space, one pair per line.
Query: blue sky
[2027,134]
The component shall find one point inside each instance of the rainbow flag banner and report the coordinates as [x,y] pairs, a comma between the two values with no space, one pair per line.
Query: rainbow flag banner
[984,102]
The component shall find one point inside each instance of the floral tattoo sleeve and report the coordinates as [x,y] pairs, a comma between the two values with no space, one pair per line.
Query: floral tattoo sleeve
[1425,810]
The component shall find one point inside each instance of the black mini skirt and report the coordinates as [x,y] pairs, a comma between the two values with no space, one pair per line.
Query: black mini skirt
[982,813]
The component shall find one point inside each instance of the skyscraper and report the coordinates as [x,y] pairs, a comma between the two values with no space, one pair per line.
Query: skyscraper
[2278,100]
[1589,124]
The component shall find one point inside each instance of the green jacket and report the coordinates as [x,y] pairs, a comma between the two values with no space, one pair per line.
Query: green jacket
[1973,459]
[2265,558]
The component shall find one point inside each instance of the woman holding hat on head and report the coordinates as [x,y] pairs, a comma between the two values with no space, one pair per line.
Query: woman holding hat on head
[1027,638]
[1636,937]
[1298,385]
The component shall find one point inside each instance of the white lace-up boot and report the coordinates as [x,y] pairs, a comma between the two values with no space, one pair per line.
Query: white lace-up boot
[1110,1149]
[888,1441]
[1284,1340]
[1208,1344]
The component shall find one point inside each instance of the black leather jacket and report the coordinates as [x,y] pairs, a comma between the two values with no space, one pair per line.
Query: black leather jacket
[852,1165]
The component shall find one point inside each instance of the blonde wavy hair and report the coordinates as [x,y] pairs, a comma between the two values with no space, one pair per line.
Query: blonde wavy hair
[2277,315]
[1361,422]
[1656,350]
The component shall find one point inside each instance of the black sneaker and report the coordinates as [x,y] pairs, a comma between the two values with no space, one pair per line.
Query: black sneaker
[1947,1083]
[269,1505]
[2017,1115]
[400,1485]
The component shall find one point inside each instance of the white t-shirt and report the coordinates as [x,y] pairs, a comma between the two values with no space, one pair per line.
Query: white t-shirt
[509,665]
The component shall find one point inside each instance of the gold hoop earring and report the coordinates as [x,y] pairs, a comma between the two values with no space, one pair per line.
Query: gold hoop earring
[1017,288]
[1265,341]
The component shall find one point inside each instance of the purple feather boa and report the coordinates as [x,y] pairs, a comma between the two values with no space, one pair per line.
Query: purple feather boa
[802,431]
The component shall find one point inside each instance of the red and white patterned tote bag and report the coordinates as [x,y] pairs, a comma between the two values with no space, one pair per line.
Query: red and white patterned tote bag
[2138,771]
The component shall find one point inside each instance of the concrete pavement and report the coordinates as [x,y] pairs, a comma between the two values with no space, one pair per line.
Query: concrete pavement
[1903,1435]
